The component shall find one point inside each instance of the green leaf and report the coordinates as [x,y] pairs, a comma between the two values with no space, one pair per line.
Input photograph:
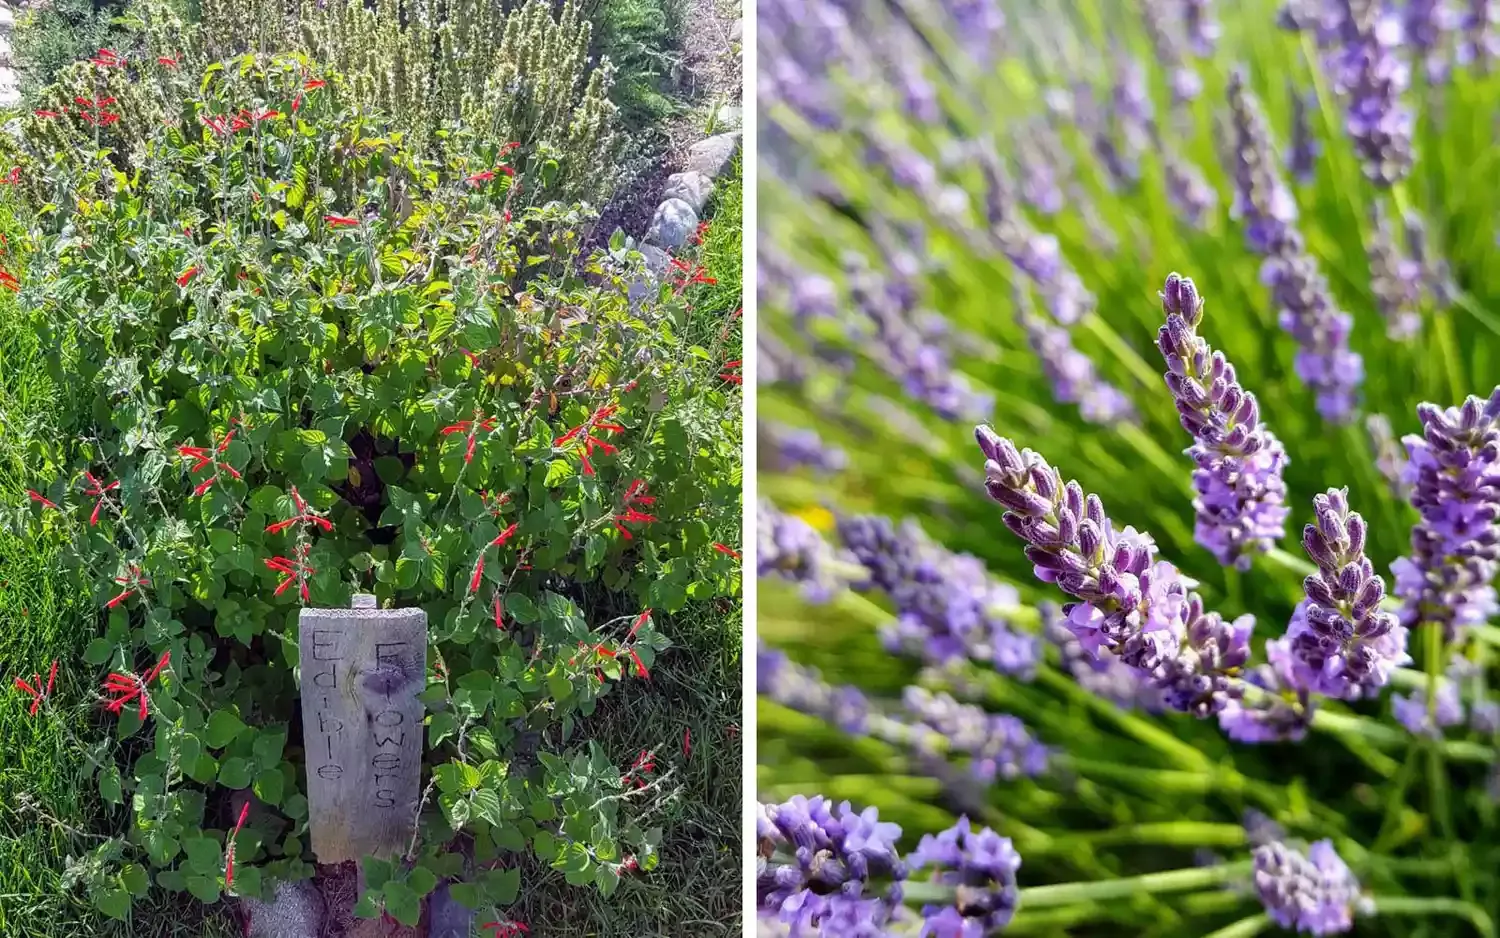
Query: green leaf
[607,878]
[422,880]
[502,886]
[377,872]
[204,888]
[487,806]
[98,651]
[235,773]
[135,879]
[109,785]
[466,895]
[521,608]
[268,746]
[223,727]
[114,903]
[368,905]
[402,903]
[269,785]
[203,854]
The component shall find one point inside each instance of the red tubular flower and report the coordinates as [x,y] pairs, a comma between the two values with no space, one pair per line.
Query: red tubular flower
[640,620]
[128,687]
[636,494]
[640,667]
[341,221]
[47,114]
[512,145]
[8,281]
[312,84]
[478,575]
[38,693]
[98,491]
[186,275]
[108,58]
[203,459]
[499,612]
[687,743]
[13,177]
[166,60]
[507,929]
[297,571]
[41,499]
[724,549]
[133,581]
[482,176]
[304,515]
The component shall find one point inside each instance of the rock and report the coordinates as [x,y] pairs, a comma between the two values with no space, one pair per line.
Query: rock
[712,157]
[7,19]
[656,267]
[737,31]
[692,188]
[672,225]
[446,918]
[297,912]
[7,55]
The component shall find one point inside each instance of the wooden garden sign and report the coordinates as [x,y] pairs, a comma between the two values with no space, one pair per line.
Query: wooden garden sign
[362,669]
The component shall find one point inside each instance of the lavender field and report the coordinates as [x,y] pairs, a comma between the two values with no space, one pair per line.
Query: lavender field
[1130,468]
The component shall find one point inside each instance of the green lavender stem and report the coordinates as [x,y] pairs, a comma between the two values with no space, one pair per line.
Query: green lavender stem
[1065,894]
[1244,928]
[1410,905]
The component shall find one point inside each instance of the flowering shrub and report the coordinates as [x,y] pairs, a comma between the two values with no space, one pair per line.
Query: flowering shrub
[1188,643]
[312,365]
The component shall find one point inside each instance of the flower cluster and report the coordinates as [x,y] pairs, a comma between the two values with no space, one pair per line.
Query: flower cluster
[785,448]
[1342,643]
[1307,309]
[1395,279]
[1128,601]
[792,549]
[819,865]
[981,866]
[999,745]
[1454,471]
[1241,501]
[1313,892]
[1071,373]
[1361,40]
[947,605]
[1102,674]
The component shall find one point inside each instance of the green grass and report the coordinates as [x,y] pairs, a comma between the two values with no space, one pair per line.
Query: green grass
[643,38]
[49,808]
[722,251]
[696,889]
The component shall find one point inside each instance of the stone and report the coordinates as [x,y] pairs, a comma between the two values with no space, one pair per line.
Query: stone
[672,225]
[656,267]
[296,912]
[712,156]
[691,187]
[362,669]
[446,917]
[737,31]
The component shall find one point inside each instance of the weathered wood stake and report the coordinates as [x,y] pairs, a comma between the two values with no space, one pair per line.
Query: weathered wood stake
[362,669]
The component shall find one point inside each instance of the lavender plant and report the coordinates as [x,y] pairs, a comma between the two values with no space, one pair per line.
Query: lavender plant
[1215,666]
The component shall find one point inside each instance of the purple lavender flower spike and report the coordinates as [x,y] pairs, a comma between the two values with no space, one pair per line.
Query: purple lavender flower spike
[1394,278]
[998,744]
[1140,607]
[1454,471]
[1410,710]
[1281,711]
[1315,892]
[803,689]
[982,866]
[1437,278]
[816,866]
[787,448]
[1070,372]
[1427,24]
[1484,717]
[947,604]
[1361,43]
[1342,643]
[1477,40]
[1308,313]
[1302,159]
[1201,27]
[1035,255]
[1241,503]
[1167,44]
[1390,458]
[792,549]
[1192,198]
[1102,675]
